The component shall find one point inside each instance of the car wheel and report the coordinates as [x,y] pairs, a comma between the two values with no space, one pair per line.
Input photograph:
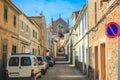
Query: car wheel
[34,78]
[43,72]
[52,65]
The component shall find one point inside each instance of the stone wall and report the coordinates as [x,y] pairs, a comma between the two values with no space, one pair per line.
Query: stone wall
[98,37]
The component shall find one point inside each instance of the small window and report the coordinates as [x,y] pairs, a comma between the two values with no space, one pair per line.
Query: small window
[14,61]
[14,20]
[25,61]
[13,49]
[5,13]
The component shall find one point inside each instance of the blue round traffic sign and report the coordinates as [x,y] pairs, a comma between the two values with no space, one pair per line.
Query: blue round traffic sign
[112,30]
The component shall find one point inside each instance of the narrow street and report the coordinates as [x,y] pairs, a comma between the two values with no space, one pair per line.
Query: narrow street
[60,39]
[63,72]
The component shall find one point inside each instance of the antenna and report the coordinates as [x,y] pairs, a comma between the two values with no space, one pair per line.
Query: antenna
[41,13]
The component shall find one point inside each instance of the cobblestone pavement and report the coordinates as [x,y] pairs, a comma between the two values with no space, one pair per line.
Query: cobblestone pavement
[63,72]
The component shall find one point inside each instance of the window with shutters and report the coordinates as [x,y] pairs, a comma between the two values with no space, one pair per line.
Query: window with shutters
[13,49]
[33,51]
[33,33]
[5,13]
[14,22]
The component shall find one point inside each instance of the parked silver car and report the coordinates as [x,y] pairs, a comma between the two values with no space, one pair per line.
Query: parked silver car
[43,64]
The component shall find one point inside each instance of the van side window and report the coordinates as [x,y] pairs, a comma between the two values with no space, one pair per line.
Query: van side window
[14,61]
[25,61]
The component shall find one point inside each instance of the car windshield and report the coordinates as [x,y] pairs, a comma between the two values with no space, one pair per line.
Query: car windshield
[39,58]
[25,61]
[14,61]
[48,58]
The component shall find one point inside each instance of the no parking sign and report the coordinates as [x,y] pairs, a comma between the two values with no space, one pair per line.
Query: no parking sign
[112,30]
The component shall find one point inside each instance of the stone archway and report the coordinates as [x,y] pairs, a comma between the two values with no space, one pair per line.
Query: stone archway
[61,51]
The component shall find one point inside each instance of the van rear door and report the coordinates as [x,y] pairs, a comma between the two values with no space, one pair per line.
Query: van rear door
[37,68]
[13,67]
[25,66]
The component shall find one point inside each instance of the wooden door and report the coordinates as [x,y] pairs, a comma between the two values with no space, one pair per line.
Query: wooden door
[103,67]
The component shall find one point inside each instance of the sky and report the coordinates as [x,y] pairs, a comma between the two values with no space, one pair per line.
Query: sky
[50,8]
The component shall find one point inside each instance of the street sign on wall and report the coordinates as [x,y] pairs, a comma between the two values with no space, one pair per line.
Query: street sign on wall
[112,30]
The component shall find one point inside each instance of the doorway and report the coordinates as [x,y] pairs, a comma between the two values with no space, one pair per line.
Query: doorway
[96,64]
[4,58]
[103,67]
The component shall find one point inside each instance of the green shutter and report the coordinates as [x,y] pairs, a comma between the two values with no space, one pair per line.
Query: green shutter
[33,51]
[14,20]
[33,33]
[36,35]
[5,13]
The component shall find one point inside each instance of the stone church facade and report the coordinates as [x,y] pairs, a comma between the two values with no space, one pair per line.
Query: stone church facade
[59,28]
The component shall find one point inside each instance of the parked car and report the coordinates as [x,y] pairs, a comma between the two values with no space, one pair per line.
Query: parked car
[43,64]
[53,59]
[46,62]
[23,66]
[50,60]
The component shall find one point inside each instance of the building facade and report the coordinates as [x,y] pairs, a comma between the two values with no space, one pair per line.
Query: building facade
[48,41]
[103,50]
[24,34]
[8,32]
[34,47]
[80,40]
[58,29]
[40,20]
[19,34]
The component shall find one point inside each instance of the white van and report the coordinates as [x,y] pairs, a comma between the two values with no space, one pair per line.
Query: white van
[23,67]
